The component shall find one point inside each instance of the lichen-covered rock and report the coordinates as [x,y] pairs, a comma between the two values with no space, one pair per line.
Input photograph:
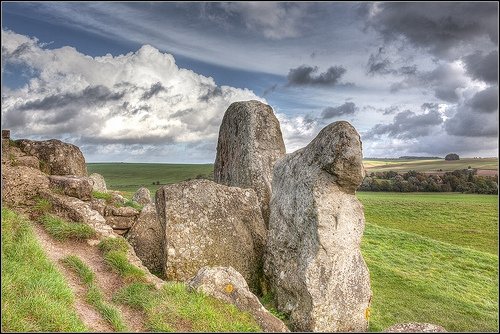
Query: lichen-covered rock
[120,223]
[74,186]
[21,185]
[147,238]
[99,205]
[56,157]
[250,142]
[227,284]
[415,327]
[313,260]
[77,210]
[99,184]
[209,224]
[142,196]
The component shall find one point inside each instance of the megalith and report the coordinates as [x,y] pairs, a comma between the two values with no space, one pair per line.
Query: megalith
[209,224]
[313,260]
[250,142]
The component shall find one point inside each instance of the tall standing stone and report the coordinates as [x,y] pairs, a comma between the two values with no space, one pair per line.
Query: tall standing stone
[313,260]
[210,224]
[250,142]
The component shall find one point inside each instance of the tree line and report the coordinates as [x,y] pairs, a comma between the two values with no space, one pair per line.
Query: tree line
[461,180]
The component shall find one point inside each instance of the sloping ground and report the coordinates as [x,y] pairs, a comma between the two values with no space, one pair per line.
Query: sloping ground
[431,165]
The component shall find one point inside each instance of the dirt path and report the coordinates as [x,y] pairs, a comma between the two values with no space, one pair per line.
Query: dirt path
[107,280]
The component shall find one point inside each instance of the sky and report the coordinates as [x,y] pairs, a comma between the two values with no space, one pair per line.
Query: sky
[150,82]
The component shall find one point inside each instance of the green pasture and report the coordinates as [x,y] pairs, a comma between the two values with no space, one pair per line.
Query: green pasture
[429,165]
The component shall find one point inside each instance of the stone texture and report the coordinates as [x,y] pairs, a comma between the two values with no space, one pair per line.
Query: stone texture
[21,185]
[79,211]
[227,284]
[98,204]
[74,186]
[206,223]
[147,238]
[56,157]
[313,260]
[142,196]
[415,327]
[99,184]
[124,211]
[120,222]
[250,142]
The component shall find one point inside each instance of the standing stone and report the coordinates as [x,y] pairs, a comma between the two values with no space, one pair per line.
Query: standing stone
[209,224]
[99,183]
[56,157]
[313,260]
[142,196]
[147,238]
[250,142]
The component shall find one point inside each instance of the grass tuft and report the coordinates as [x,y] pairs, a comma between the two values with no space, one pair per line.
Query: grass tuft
[94,295]
[133,204]
[105,196]
[118,261]
[43,206]
[113,244]
[175,309]
[35,296]
[63,230]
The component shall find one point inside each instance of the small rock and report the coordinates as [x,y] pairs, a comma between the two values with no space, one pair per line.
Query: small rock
[74,186]
[142,196]
[227,284]
[415,327]
[99,184]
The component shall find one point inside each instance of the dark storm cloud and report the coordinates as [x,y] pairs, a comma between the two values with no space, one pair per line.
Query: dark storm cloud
[305,75]
[390,110]
[89,96]
[347,108]
[407,125]
[380,64]
[436,26]
[469,123]
[154,90]
[483,67]
[485,100]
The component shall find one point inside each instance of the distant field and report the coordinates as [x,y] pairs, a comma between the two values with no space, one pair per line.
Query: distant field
[129,177]
[433,257]
[431,165]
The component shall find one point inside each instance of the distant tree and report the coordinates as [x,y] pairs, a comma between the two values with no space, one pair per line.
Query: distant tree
[451,156]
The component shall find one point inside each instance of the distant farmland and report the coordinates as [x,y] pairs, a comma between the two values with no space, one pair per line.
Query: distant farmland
[485,166]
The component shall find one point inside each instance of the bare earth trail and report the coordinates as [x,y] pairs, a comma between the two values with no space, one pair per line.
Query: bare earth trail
[107,280]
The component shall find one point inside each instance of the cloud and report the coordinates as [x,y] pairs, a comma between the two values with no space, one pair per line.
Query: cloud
[407,125]
[344,109]
[483,67]
[297,130]
[485,100]
[304,75]
[441,28]
[142,97]
[274,20]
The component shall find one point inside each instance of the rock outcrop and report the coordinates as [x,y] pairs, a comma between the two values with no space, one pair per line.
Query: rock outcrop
[74,186]
[227,284]
[415,327]
[313,260]
[56,157]
[99,184]
[142,196]
[147,238]
[209,224]
[21,185]
[121,219]
[250,142]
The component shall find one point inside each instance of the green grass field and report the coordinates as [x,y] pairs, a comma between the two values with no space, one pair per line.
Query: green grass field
[433,257]
[131,176]
[431,165]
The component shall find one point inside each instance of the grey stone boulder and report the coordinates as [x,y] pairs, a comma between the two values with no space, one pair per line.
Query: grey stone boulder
[250,142]
[209,224]
[21,185]
[99,184]
[142,196]
[415,327]
[228,285]
[56,157]
[74,186]
[147,238]
[313,258]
